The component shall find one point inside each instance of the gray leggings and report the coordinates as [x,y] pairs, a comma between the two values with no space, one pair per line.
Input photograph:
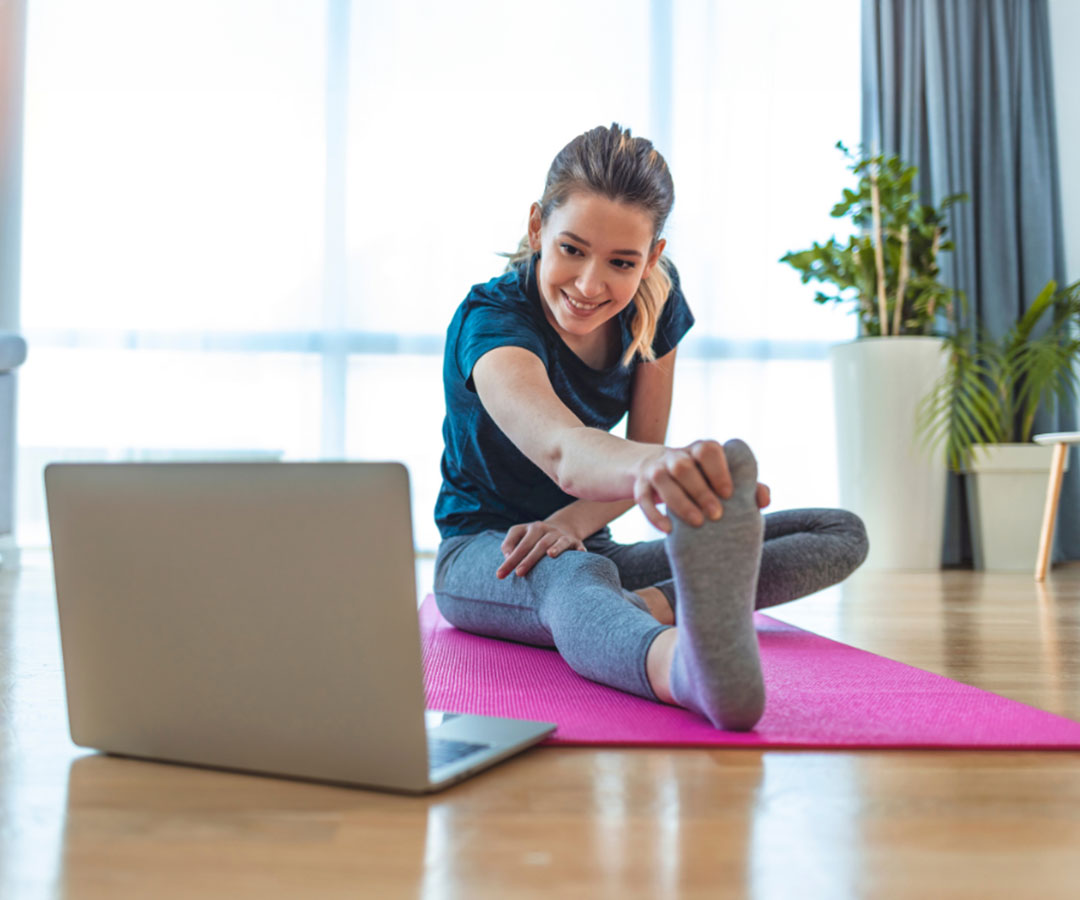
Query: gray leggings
[583,603]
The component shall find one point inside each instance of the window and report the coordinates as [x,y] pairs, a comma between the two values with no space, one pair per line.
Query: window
[247,224]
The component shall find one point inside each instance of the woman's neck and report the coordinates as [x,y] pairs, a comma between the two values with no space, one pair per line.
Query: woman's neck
[599,349]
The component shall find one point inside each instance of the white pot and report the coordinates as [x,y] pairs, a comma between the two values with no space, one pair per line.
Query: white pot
[1006,499]
[896,487]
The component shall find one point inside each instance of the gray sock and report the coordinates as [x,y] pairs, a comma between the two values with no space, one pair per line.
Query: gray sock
[716,669]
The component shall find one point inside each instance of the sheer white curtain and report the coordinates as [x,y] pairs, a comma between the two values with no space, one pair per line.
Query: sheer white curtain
[247,224]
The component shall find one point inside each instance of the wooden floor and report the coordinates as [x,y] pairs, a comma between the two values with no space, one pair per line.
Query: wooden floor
[568,823]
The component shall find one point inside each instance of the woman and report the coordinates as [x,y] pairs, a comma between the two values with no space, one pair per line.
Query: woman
[540,364]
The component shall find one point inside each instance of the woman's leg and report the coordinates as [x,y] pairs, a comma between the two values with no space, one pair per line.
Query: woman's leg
[573,602]
[808,550]
[715,665]
[804,551]
[642,566]
[576,602]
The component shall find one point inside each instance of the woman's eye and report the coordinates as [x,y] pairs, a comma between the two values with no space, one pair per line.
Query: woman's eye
[571,250]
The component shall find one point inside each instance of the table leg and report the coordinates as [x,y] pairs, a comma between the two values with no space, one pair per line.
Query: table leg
[1053,495]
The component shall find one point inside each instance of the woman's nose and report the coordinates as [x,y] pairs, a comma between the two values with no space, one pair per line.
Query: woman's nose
[589,282]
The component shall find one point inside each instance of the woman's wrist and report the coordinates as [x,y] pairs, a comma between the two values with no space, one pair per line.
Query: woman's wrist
[565,520]
[583,518]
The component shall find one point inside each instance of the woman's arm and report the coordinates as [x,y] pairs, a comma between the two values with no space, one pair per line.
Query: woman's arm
[589,463]
[650,408]
[513,386]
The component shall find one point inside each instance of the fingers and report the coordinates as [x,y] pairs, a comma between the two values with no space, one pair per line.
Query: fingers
[513,537]
[709,455]
[683,493]
[691,482]
[678,479]
[573,545]
[525,545]
[701,496]
[515,548]
[647,499]
[538,552]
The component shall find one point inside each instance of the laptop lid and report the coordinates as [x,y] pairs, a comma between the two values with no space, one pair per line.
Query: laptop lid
[257,616]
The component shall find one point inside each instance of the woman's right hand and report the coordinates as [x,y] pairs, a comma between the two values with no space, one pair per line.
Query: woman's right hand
[690,481]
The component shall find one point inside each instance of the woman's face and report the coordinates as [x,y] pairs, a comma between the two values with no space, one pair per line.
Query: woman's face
[594,253]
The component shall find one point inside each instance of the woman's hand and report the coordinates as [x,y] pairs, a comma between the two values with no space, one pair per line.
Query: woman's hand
[690,481]
[525,545]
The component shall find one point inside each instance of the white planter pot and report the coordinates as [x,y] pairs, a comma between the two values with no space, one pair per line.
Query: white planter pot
[896,487]
[1006,500]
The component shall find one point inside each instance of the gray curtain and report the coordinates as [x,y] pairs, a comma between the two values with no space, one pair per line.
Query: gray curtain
[963,89]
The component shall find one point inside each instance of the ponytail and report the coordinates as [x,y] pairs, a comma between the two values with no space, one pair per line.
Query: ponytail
[649,302]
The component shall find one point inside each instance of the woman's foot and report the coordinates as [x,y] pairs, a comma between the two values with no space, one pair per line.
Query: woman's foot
[716,667]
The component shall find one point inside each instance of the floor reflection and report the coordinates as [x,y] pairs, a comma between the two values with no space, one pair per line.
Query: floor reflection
[670,823]
[628,823]
[1026,650]
[805,836]
[1059,636]
[963,653]
[143,829]
[35,748]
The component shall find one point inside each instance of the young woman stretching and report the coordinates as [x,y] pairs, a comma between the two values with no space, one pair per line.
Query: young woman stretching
[540,364]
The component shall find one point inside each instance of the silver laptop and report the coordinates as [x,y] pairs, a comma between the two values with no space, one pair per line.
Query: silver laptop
[254,616]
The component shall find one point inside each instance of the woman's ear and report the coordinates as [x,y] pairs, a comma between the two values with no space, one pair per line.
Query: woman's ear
[653,258]
[534,226]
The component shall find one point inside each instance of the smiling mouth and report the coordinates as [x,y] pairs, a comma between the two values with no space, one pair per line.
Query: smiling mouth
[581,306]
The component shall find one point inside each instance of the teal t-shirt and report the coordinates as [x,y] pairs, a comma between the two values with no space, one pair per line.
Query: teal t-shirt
[487,481]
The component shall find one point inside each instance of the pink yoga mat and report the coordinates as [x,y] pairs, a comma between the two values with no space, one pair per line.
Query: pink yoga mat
[820,693]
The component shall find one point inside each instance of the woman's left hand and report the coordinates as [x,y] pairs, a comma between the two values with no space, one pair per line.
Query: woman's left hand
[764,496]
[525,545]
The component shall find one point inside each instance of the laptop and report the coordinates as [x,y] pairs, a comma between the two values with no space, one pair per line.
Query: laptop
[258,617]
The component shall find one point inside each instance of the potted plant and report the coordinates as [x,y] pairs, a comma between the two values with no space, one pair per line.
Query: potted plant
[983,411]
[888,270]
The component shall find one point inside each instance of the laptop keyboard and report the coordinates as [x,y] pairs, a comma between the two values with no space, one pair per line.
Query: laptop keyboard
[442,751]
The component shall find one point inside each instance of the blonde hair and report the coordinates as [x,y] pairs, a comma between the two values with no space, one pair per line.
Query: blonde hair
[625,169]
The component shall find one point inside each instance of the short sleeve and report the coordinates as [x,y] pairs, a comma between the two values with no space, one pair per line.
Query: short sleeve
[490,323]
[675,319]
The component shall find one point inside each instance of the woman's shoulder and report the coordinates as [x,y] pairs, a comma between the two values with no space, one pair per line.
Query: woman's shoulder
[502,303]
[507,289]
[495,313]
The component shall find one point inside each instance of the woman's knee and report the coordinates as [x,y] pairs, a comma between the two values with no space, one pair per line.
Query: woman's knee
[837,536]
[494,619]
[575,567]
[854,530]
[849,535]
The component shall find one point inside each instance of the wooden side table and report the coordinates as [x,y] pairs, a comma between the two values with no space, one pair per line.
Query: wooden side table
[1060,441]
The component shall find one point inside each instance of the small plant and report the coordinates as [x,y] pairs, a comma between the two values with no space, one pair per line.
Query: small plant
[993,388]
[889,270]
